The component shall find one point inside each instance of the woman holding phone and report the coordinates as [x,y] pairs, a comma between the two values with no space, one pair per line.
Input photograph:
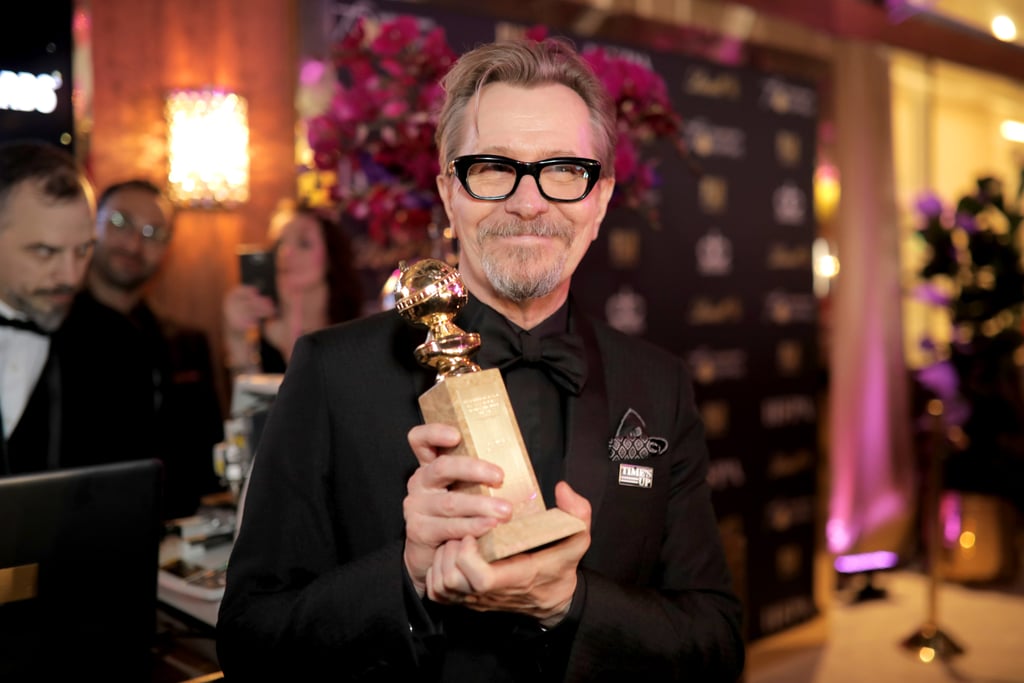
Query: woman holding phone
[315,284]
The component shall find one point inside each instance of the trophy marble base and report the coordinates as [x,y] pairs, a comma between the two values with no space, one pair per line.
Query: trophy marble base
[527,533]
[477,404]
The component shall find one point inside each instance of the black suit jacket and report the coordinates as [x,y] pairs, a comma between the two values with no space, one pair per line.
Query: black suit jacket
[316,583]
[139,386]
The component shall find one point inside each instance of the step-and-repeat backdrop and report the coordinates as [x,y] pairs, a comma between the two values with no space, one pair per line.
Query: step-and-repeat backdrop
[724,279]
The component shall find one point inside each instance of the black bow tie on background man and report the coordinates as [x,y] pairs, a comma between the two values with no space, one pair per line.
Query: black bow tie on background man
[560,355]
[19,324]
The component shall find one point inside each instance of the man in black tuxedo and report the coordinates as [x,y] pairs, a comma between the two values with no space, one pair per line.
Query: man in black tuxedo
[357,558]
[46,241]
[123,359]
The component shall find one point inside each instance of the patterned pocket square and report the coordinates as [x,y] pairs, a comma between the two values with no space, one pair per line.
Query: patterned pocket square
[631,441]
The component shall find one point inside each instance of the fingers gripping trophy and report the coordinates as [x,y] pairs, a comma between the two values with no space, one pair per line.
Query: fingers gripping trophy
[430,293]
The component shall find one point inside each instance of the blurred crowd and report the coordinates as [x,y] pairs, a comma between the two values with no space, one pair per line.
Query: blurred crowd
[91,372]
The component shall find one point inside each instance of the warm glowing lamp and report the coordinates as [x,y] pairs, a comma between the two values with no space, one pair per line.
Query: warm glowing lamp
[1012,130]
[1004,28]
[825,265]
[826,192]
[207,148]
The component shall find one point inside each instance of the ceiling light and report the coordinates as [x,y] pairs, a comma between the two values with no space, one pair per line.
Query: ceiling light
[1012,130]
[1003,28]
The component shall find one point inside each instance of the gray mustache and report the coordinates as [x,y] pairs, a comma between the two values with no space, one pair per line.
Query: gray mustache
[520,229]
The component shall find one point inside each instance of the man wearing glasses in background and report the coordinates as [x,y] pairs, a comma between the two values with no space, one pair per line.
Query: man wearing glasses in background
[357,557]
[124,358]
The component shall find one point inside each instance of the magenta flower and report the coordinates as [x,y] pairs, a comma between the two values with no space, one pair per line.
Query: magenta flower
[377,133]
[645,114]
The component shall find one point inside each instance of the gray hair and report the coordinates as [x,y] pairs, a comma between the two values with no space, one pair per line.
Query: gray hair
[525,63]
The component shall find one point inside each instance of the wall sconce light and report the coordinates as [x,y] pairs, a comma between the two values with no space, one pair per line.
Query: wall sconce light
[207,148]
[1012,130]
[1004,28]
[825,265]
[826,192]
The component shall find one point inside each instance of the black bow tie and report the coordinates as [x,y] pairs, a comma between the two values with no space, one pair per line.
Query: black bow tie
[19,324]
[560,355]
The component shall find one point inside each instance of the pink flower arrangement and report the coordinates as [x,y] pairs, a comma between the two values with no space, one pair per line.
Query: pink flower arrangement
[376,132]
[645,115]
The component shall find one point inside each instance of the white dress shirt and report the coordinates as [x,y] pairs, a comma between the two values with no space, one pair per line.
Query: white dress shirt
[22,359]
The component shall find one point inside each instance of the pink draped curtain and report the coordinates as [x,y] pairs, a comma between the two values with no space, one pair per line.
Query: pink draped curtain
[871,459]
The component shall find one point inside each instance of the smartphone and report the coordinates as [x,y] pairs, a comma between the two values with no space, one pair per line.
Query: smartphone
[256,266]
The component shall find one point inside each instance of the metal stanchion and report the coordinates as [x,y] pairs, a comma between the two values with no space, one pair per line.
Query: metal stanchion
[929,641]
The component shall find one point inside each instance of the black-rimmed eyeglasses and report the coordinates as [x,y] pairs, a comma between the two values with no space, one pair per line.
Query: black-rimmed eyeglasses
[123,224]
[493,178]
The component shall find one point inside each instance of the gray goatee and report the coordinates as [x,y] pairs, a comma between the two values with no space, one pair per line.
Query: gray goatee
[516,273]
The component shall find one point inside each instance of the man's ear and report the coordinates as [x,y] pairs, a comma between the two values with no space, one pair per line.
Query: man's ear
[445,187]
[605,188]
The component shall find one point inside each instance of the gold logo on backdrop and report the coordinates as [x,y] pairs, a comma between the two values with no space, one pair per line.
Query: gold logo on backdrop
[626,311]
[713,194]
[714,253]
[788,148]
[782,257]
[724,86]
[707,311]
[777,95]
[790,203]
[703,142]
[704,369]
[781,312]
[715,415]
[783,308]
[788,560]
[789,357]
[788,98]
[710,365]
[504,30]
[623,248]
[784,464]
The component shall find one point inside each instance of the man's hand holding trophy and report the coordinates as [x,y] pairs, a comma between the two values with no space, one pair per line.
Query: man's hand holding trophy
[430,293]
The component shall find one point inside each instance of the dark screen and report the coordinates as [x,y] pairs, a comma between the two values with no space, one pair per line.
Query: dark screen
[93,536]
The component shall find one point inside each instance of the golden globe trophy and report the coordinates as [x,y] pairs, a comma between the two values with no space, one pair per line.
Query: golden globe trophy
[430,293]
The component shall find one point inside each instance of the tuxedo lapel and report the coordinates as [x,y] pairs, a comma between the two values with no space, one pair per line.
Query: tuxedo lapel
[52,377]
[35,443]
[586,464]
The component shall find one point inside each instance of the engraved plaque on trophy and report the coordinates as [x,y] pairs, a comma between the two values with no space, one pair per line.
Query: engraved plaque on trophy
[475,401]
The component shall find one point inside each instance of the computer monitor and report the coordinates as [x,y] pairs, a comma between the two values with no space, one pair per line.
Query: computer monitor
[79,553]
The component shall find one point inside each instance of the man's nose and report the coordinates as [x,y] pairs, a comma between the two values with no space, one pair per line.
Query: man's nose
[70,268]
[133,239]
[527,201]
